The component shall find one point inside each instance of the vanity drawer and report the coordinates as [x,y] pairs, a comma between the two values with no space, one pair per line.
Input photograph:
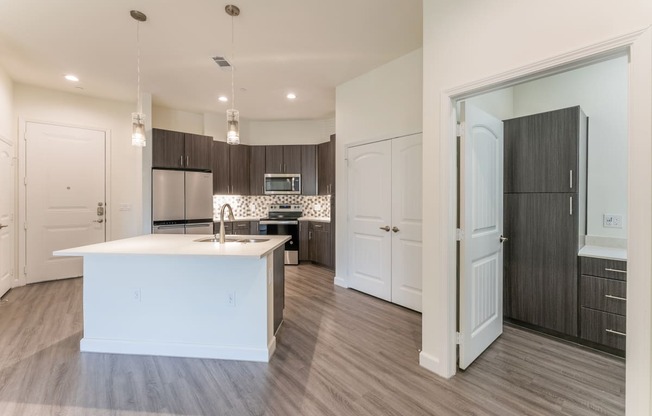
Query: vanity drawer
[607,295]
[603,328]
[612,269]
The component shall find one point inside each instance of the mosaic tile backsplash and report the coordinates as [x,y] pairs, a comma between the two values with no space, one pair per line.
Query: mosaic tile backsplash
[255,206]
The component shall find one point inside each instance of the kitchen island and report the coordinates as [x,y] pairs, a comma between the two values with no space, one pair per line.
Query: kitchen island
[172,295]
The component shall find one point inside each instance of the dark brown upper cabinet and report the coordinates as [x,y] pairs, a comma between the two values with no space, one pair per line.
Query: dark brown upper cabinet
[257,170]
[326,167]
[173,149]
[309,169]
[542,151]
[230,169]
[283,159]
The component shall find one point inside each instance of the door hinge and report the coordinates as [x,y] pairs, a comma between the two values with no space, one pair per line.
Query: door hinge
[459,129]
[24,270]
[458,338]
[25,180]
[25,226]
[459,234]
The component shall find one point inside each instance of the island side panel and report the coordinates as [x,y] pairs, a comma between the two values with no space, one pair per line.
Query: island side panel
[177,306]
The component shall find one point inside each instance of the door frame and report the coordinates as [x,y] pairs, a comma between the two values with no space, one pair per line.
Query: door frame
[638,46]
[21,212]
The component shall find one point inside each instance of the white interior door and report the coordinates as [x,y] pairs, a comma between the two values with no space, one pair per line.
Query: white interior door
[369,194]
[7,228]
[65,172]
[406,221]
[481,220]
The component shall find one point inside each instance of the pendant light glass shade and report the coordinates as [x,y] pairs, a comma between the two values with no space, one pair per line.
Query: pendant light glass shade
[138,130]
[232,126]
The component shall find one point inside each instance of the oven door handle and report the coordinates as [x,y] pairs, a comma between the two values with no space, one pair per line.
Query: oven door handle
[279,222]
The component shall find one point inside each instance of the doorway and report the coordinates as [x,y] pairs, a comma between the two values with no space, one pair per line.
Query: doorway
[6,216]
[600,89]
[65,197]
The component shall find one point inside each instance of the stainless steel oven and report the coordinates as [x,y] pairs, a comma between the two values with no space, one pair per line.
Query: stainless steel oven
[282,183]
[283,220]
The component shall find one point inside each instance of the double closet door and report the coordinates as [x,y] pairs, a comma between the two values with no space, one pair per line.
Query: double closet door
[544,208]
[384,230]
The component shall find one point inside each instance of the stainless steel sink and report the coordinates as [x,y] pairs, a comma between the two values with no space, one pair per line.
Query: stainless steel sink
[233,239]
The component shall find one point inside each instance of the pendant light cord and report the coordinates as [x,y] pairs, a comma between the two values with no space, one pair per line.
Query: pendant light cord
[232,65]
[139,104]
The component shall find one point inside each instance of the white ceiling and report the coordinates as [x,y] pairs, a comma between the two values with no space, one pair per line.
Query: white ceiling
[304,46]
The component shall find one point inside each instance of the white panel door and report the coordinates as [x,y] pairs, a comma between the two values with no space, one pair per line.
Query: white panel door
[65,171]
[369,194]
[481,220]
[406,221]
[6,217]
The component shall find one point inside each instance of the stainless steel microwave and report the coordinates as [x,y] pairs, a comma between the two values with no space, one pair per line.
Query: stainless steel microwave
[282,183]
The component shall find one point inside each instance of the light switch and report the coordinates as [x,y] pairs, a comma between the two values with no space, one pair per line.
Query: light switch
[612,221]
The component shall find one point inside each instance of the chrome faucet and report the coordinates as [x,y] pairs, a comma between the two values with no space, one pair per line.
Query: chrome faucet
[222,238]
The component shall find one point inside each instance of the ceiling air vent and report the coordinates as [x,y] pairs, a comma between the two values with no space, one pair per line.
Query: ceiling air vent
[222,62]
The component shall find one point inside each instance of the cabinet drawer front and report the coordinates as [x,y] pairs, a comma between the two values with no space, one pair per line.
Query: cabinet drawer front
[241,224]
[613,269]
[606,295]
[603,327]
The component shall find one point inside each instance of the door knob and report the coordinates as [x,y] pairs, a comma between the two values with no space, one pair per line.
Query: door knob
[395,229]
[386,228]
[3,226]
[100,221]
[502,239]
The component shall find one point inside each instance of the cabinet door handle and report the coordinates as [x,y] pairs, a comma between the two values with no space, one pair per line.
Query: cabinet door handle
[187,160]
[607,269]
[571,205]
[309,235]
[571,178]
[611,331]
[181,160]
[615,297]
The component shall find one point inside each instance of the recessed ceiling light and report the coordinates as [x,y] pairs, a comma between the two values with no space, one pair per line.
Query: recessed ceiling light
[71,77]
[291,96]
[223,98]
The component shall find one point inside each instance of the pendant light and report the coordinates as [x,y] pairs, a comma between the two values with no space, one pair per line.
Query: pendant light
[232,115]
[138,118]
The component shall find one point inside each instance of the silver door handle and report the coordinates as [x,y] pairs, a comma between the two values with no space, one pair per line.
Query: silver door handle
[3,226]
[611,331]
[607,269]
[181,160]
[100,221]
[395,229]
[615,297]
[503,239]
[187,161]
[386,228]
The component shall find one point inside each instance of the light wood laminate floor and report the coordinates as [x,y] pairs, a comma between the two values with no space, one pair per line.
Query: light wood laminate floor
[339,352]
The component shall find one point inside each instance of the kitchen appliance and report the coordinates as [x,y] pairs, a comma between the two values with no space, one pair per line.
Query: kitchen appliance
[182,202]
[283,219]
[282,183]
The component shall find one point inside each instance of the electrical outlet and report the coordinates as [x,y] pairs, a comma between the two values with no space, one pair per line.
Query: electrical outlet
[136,295]
[230,299]
[612,221]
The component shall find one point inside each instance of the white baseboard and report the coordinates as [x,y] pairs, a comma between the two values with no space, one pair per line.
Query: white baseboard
[178,350]
[432,363]
[340,282]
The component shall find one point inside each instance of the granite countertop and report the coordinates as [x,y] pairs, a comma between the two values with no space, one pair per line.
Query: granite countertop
[181,245]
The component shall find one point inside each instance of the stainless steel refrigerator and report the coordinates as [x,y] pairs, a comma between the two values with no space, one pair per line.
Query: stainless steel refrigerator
[182,202]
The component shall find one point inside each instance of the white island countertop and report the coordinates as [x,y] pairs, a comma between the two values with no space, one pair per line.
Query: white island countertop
[600,252]
[182,245]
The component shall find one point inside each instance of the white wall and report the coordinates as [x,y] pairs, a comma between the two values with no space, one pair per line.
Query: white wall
[6,107]
[601,91]
[177,120]
[38,104]
[384,103]
[465,42]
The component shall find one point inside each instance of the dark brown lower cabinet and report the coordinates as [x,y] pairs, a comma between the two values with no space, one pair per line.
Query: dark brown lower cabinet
[279,286]
[540,260]
[603,303]
[320,244]
[304,241]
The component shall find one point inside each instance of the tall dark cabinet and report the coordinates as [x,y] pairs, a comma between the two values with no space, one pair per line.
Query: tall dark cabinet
[544,217]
